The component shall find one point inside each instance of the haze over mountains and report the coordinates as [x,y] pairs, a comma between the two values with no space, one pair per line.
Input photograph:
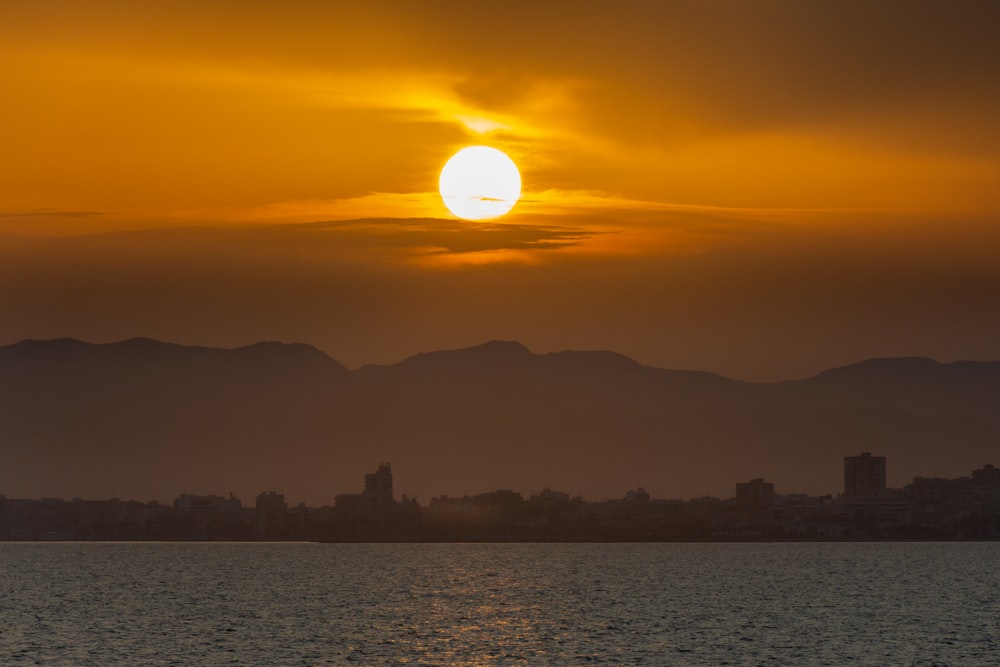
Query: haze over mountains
[147,420]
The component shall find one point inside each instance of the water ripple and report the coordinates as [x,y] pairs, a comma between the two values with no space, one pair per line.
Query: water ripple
[499,604]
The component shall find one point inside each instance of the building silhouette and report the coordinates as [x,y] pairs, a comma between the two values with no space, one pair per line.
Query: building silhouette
[864,475]
[372,510]
[204,516]
[378,484]
[269,515]
[966,507]
[755,495]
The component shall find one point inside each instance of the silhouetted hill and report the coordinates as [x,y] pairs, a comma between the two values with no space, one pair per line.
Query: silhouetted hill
[150,419]
[909,383]
[911,373]
[142,417]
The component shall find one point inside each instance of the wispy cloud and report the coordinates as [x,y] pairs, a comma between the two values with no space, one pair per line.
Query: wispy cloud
[53,213]
[422,240]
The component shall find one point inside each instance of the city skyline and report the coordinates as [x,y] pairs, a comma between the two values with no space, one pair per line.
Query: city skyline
[379,485]
[966,508]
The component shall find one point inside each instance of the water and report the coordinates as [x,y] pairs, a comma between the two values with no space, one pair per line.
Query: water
[500,604]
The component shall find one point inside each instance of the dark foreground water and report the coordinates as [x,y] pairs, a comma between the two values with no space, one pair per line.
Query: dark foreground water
[500,604]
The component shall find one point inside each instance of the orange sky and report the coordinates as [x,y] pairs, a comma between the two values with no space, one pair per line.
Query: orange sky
[759,189]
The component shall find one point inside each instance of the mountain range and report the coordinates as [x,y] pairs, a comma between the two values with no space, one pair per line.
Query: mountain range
[148,420]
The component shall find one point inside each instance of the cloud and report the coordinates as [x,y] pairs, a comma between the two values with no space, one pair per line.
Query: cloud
[702,178]
[53,213]
[703,102]
[350,241]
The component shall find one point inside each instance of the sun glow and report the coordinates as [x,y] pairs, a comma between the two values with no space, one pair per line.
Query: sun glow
[480,182]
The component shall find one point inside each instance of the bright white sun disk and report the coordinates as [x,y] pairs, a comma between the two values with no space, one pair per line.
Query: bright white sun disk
[480,182]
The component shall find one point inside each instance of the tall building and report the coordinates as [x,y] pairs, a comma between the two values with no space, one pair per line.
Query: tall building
[269,517]
[378,484]
[373,508]
[864,475]
[271,501]
[755,495]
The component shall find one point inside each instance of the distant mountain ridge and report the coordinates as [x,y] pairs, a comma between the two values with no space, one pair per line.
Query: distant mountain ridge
[147,419]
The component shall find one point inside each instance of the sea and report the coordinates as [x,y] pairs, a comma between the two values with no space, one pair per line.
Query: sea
[902,603]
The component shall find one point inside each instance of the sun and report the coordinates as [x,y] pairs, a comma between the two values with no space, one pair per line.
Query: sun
[480,182]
